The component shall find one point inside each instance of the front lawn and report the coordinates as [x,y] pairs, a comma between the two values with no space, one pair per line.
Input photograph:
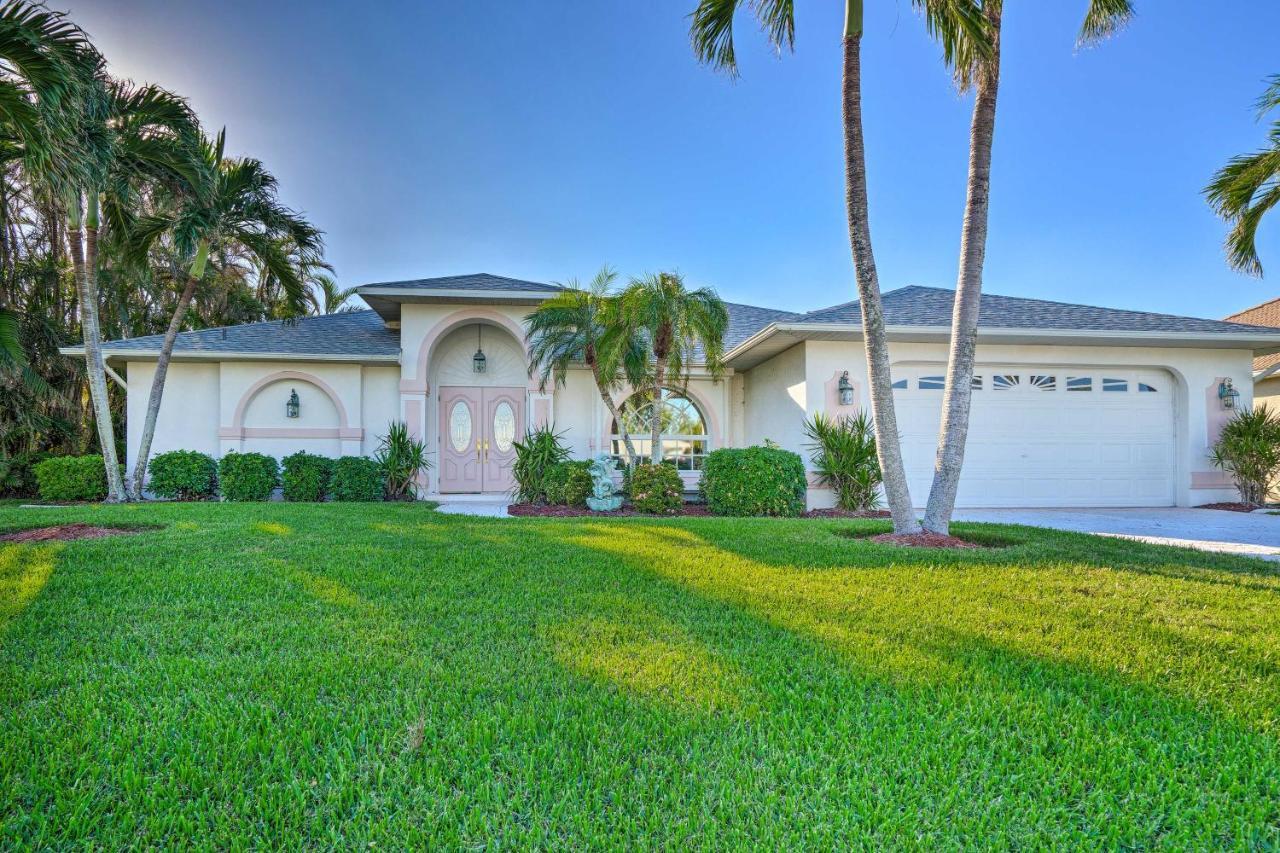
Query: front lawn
[336,675]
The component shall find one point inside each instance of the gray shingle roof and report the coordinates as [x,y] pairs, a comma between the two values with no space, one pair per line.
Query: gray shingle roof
[746,320]
[931,306]
[478,281]
[354,333]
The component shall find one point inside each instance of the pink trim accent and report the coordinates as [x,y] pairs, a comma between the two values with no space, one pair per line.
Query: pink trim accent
[448,324]
[1211,479]
[409,386]
[413,418]
[541,411]
[346,434]
[237,421]
[832,397]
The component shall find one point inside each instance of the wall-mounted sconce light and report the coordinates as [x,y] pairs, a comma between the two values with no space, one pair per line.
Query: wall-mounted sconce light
[478,361]
[846,390]
[291,408]
[1228,394]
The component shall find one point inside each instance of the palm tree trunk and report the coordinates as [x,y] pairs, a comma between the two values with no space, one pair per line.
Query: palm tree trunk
[613,411]
[162,367]
[958,395]
[83,236]
[888,447]
[655,412]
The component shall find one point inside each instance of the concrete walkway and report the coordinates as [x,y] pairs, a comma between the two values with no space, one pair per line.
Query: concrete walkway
[484,509]
[1253,534]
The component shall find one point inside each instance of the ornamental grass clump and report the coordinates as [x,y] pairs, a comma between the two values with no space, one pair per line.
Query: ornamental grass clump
[843,455]
[540,451]
[1249,450]
[402,458]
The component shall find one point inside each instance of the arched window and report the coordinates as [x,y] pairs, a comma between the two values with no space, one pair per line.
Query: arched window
[684,430]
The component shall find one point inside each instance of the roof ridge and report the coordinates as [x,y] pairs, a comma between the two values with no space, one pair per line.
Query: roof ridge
[883,294]
[280,320]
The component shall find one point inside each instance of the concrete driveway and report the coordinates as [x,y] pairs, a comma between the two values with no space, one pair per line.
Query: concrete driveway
[1253,534]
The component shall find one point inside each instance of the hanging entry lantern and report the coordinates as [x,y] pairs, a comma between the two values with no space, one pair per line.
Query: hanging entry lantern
[846,389]
[478,361]
[291,408]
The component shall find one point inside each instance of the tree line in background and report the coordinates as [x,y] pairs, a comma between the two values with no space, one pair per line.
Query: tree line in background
[120,217]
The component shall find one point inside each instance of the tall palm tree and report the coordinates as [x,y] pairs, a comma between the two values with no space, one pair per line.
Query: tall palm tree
[1245,189]
[327,297]
[233,203]
[136,135]
[973,55]
[582,325]
[712,35]
[675,322]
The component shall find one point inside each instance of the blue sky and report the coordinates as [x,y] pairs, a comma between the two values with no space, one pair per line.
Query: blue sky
[542,138]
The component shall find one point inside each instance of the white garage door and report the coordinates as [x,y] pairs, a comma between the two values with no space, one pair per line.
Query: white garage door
[1047,436]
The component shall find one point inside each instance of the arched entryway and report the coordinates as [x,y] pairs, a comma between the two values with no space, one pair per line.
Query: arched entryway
[480,380]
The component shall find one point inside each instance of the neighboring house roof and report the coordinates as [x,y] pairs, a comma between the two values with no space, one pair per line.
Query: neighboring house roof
[352,335]
[1266,314]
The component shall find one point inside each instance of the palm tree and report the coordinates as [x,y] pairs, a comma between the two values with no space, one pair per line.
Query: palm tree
[233,204]
[326,297]
[675,322]
[581,325]
[1247,187]
[973,54]
[712,35]
[137,135]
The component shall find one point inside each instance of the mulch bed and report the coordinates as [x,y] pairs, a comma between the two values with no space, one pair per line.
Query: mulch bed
[66,533]
[846,513]
[1230,506]
[922,540]
[548,511]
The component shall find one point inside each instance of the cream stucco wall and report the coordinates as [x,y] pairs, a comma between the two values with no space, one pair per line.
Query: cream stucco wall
[217,407]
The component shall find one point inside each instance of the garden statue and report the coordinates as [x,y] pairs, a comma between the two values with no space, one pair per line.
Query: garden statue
[602,497]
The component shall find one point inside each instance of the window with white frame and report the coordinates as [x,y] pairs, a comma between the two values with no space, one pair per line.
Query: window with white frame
[684,430]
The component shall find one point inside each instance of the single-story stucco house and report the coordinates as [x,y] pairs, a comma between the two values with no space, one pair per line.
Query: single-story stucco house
[1073,405]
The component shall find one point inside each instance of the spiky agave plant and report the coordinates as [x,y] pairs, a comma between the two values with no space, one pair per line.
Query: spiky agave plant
[402,458]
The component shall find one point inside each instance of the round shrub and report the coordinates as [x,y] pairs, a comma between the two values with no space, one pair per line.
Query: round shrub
[358,478]
[657,489]
[307,477]
[567,483]
[248,476]
[72,478]
[183,475]
[753,481]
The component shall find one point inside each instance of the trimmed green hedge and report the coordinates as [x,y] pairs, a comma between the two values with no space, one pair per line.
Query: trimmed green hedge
[307,477]
[358,478]
[72,478]
[248,476]
[184,475]
[753,481]
[657,489]
[567,483]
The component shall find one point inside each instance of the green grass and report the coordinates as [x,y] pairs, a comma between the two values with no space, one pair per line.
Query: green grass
[283,675]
